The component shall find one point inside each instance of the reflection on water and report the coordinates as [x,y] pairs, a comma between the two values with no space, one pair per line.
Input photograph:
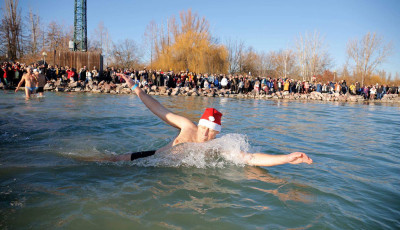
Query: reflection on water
[284,191]
[353,183]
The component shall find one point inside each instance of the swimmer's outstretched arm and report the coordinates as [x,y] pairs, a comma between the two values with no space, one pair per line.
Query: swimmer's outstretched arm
[262,159]
[20,83]
[155,107]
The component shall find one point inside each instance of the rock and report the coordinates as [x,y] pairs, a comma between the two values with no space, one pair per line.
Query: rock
[153,88]
[77,89]
[352,98]
[125,91]
[119,88]
[315,93]
[162,90]
[342,98]
[175,92]
[73,84]
[113,92]
[59,89]
[48,87]
[1,85]
[96,91]
[107,88]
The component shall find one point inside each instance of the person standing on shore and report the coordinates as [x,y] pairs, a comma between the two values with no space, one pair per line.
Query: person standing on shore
[207,129]
[30,83]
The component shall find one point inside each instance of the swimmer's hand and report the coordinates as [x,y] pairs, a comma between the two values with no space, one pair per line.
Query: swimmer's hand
[299,157]
[127,79]
[16,89]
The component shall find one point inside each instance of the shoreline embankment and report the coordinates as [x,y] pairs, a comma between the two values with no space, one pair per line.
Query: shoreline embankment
[111,88]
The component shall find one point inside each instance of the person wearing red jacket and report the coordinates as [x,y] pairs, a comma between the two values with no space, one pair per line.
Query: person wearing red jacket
[71,74]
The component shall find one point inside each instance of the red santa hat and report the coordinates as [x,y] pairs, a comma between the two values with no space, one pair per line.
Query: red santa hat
[211,118]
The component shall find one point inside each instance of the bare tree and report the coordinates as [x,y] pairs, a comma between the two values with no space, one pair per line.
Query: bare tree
[368,53]
[10,29]
[151,39]
[312,56]
[126,54]
[283,62]
[54,36]
[249,61]
[265,64]
[235,55]
[35,32]
[101,40]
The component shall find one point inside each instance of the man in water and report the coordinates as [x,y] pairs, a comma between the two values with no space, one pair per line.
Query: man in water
[41,82]
[207,129]
[30,83]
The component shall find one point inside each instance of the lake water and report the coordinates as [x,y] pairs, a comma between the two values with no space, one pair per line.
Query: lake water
[354,182]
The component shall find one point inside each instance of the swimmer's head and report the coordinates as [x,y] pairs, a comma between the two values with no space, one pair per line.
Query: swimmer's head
[29,69]
[211,119]
[209,125]
[35,71]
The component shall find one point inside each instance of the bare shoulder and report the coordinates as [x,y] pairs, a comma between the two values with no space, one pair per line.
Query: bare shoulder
[188,124]
[187,134]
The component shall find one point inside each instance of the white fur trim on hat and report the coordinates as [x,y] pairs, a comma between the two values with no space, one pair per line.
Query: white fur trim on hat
[210,124]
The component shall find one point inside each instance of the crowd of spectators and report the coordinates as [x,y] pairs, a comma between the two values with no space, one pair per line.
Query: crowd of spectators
[12,72]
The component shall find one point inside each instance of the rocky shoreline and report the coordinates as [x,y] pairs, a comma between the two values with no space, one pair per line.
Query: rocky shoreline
[111,88]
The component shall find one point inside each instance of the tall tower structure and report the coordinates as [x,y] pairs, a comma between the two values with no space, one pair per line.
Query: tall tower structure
[80,26]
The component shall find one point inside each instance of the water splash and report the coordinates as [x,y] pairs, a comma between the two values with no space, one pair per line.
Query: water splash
[217,153]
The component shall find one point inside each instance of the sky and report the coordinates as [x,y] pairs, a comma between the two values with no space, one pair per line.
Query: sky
[264,25]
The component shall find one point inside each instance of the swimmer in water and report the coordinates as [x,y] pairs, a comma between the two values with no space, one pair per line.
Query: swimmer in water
[207,129]
[30,83]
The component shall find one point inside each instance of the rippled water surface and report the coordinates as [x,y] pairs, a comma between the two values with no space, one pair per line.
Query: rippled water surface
[44,183]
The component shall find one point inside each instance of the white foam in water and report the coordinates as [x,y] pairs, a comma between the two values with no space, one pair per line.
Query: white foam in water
[217,153]
[86,155]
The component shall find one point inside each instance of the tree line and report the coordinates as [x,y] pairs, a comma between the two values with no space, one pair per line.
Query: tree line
[186,44]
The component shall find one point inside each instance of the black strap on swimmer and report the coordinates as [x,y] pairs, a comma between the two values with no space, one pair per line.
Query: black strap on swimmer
[142,154]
